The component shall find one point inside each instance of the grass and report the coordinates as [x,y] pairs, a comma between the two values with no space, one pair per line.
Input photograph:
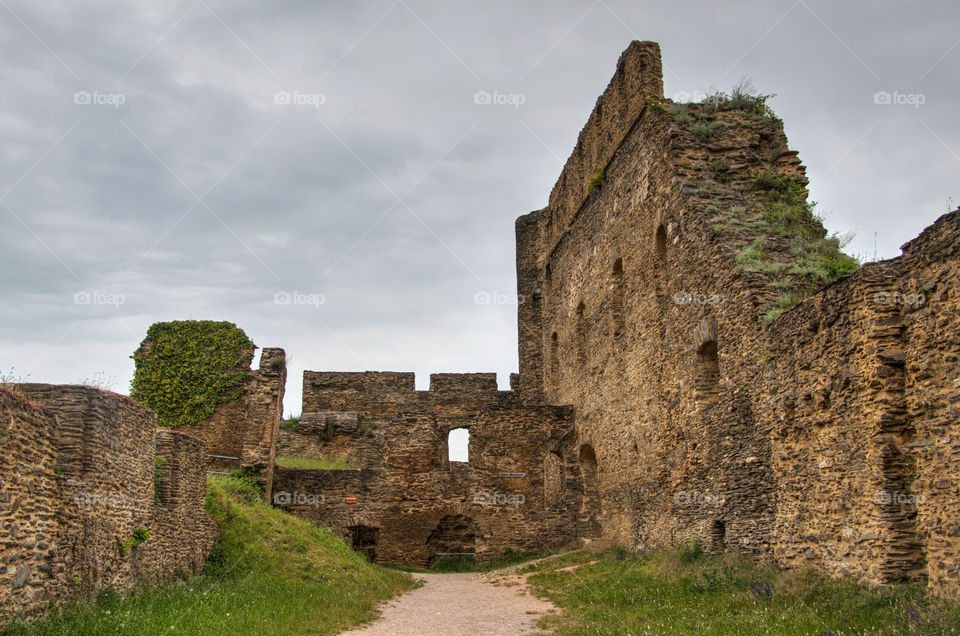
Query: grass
[291,424]
[314,463]
[705,129]
[789,239]
[596,180]
[271,573]
[468,564]
[616,592]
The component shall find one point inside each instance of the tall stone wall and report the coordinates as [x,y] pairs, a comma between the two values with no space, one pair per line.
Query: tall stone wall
[28,505]
[647,327]
[92,457]
[826,438]
[412,504]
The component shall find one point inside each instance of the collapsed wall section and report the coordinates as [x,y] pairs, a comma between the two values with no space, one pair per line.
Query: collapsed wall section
[402,500]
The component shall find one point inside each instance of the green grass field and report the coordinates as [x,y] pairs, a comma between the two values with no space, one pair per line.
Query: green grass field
[314,463]
[272,573]
[614,592]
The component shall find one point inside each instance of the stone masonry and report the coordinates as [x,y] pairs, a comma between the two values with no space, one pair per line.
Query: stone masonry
[403,501]
[79,480]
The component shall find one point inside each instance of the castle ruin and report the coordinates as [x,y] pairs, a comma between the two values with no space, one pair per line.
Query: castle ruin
[667,392]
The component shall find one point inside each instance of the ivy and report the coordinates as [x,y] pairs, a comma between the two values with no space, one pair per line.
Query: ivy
[187,368]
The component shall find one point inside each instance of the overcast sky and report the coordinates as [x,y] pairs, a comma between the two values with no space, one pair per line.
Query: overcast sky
[213,159]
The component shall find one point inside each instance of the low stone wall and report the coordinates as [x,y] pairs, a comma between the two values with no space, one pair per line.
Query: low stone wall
[403,501]
[81,475]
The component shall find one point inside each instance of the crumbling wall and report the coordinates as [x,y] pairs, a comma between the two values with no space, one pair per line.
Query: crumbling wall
[639,317]
[94,459]
[411,504]
[826,439]
[242,433]
[28,496]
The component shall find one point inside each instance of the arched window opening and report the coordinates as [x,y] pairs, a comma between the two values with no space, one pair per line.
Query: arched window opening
[708,375]
[718,535]
[458,445]
[617,302]
[661,242]
[555,359]
[588,517]
[581,328]
[552,481]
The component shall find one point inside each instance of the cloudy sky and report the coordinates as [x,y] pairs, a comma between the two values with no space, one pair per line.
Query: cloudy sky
[320,172]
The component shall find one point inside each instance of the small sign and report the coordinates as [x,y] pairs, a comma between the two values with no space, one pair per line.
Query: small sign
[513,475]
[351,500]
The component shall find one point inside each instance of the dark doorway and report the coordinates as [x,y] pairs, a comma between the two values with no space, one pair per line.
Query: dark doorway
[364,540]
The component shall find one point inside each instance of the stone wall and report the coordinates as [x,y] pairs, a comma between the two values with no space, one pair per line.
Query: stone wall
[28,505]
[411,503]
[824,439]
[863,394]
[242,433]
[88,482]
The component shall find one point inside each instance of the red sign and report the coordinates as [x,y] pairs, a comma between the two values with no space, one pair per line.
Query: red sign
[349,500]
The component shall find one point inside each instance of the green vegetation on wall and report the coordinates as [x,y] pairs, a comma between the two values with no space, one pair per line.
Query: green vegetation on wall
[190,368]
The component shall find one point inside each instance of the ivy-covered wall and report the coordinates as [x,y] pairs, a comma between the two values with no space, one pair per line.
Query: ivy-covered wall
[185,369]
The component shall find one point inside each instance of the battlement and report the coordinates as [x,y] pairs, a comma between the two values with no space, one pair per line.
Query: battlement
[463,382]
[368,392]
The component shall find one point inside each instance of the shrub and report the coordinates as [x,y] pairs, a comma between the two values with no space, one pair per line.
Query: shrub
[596,180]
[704,130]
[690,552]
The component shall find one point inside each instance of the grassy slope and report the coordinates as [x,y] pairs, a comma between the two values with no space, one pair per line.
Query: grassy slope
[272,573]
[662,594]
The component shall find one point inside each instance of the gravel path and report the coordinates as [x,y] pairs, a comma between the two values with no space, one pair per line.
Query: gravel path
[497,603]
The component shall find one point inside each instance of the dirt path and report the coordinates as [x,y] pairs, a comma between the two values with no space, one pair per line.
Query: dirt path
[496,603]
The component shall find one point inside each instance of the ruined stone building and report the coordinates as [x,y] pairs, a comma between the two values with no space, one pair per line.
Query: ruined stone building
[661,397]
[697,362]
